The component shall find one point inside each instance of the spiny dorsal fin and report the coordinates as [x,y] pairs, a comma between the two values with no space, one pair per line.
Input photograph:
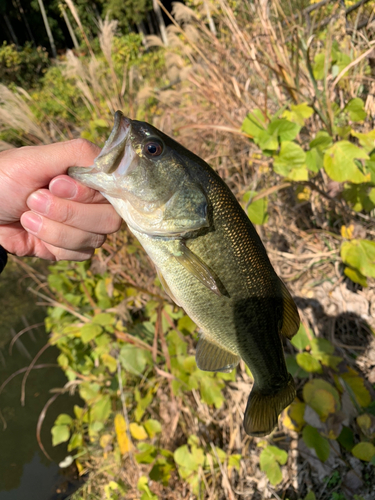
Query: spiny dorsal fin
[291,320]
[212,358]
[198,269]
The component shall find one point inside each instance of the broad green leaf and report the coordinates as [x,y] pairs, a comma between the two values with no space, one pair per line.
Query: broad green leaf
[134,359]
[186,325]
[364,422]
[298,174]
[142,486]
[360,254]
[142,403]
[147,453]
[346,438]
[76,441]
[293,367]
[300,339]
[60,434]
[90,331]
[308,362]
[161,471]
[314,160]
[100,410]
[356,276]
[310,496]
[299,113]
[234,462]
[63,419]
[291,156]
[322,141]
[152,427]
[313,439]
[104,319]
[186,460]
[123,440]
[89,392]
[137,431]
[267,141]
[284,129]
[269,459]
[210,389]
[364,451]
[320,346]
[339,162]
[254,123]
[367,141]
[257,210]
[356,109]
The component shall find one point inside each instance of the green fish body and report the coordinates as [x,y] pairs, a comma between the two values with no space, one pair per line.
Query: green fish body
[208,256]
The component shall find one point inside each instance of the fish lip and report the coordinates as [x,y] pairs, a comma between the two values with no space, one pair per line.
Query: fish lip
[115,143]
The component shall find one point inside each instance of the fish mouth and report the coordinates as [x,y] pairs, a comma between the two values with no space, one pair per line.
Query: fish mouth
[111,160]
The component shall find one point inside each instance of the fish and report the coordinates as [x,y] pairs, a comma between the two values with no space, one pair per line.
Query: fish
[208,256]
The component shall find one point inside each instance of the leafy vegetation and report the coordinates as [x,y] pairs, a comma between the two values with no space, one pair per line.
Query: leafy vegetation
[282,108]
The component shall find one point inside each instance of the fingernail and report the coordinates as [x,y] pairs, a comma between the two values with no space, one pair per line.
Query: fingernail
[63,188]
[31,222]
[39,202]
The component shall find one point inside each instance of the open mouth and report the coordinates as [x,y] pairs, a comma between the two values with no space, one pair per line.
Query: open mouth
[112,159]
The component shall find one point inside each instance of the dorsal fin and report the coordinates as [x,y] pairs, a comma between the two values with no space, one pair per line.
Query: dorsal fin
[212,358]
[291,319]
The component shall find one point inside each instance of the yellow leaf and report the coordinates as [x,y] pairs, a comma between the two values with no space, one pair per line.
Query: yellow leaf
[294,416]
[105,440]
[323,403]
[138,431]
[357,385]
[364,422]
[122,438]
[364,451]
[347,231]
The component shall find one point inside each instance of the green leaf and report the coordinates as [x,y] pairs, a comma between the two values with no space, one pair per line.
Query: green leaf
[320,347]
[322,141]
[210,389]
[161,471]
[339,162]
[152,427]
[308,362]
[63,419]
[367,141]
[360,196]
[234,461]
[364,451]
[254,123]
[283,129]
[257,210]
[60,434]
[76,441]
[104,319]
[267,141]
[346,438]
[269,459]
[291,156]
[321,397]
[310,496]
[300,339]
[299,113]
[134,359]
[356,109]
[318,66]
[90,331]
[314,160]
[109,361]
[313,439]
[147,453]
[101,409]
[357,386]
[356,276]
[186,325]
[360,254]
[294,369]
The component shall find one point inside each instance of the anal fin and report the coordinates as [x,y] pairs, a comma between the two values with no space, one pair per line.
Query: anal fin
[212,358]
[291,319]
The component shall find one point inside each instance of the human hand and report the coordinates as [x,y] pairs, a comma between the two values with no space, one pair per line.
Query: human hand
[67,221]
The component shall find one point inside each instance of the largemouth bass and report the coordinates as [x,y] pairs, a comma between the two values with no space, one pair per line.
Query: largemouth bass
[208,256]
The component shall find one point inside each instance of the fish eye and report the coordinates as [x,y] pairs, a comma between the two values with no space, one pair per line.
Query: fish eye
[153,148]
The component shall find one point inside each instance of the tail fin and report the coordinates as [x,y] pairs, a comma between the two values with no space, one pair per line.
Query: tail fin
[262,410]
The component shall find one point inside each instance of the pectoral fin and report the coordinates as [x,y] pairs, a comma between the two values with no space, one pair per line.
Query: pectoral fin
[291,319]
[199,270]
[212,358]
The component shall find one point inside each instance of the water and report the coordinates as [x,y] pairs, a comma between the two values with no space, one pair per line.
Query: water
[25,472]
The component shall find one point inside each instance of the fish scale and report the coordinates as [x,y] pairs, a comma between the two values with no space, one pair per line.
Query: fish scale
[208,255]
